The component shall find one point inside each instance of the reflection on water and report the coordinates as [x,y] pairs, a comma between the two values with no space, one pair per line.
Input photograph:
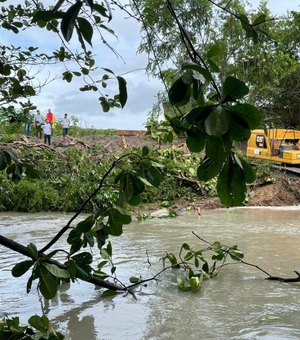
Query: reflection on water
[239,304]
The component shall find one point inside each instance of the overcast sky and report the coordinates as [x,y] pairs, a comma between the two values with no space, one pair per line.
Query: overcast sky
[62,97]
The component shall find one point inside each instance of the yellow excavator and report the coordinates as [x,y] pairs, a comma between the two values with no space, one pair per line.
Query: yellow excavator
[278,145]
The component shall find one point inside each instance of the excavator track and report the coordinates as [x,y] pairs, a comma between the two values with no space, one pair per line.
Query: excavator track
[295,170]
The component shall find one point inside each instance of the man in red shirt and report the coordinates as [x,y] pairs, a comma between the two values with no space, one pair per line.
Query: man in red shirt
[50,119]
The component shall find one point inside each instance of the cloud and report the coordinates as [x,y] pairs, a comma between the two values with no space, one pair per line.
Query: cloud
[62,97]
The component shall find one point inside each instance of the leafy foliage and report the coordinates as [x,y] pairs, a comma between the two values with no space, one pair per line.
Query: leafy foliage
[10,328]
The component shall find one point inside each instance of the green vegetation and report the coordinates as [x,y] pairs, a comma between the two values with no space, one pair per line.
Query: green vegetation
[64,180]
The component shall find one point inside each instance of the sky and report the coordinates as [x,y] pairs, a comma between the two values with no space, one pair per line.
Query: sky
[62,97]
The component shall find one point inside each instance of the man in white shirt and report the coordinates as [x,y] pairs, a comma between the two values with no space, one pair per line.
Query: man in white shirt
[65,122]
[38,122]
[47,133]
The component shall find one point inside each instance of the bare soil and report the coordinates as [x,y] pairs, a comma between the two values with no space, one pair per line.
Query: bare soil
[282,190]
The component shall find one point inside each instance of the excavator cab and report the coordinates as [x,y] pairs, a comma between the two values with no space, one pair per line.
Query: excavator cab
[278,145]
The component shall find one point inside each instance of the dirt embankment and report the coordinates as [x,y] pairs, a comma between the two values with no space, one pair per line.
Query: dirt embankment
[282,190]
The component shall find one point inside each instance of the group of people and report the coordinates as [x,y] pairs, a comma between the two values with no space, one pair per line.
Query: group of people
[46,125]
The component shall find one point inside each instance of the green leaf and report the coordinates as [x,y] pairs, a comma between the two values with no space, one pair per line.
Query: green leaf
[33,251]
[116,221]
[260,19]
[213,51]
[47,284]
[56,271]
[248,113]
[100,9]
[179,93]
[234,88]
[194,282]
[39,323]
[238,127]
[109,248]
[245,24]
[83,258]
[145,151]
[213,66]
[134,279]
[68,21]
[216,124]
[86,225]
[203,71]
[126,187]
[154,176]
[186,246]
[10,154]
[208,169]
[83,272]
[199,113]
[108,293]
[47,16]
[104,254]
[122,91]
[218,148]
[231,186]
[195,141]
[249,172]
[236,254]
[21,268]
[3,161]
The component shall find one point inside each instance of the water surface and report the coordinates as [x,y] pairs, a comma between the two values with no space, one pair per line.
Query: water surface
[238,304]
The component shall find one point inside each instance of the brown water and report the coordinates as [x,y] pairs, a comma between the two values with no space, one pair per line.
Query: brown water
[238,304]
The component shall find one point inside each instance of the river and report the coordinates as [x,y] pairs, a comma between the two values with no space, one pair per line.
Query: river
[238,304]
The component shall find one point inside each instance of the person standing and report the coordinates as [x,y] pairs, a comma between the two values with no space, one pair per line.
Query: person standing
[50,118]
[38,122]
[47,132]
[65,122]
[28,122]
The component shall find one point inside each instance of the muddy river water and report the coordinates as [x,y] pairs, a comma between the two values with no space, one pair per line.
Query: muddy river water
[238,304]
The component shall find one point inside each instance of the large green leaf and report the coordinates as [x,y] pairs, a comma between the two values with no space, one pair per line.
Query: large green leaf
[208,169]
[216,124]
[83,258]
[199,113]
[195,141]
[21,268]
[179,93]
[32,249]
[238,127]
[196,67]
[47,16]
[68,21]
[115,222]
[231,186]
[154,176]
[56,271]
[218,148]
[126,190]
[234,88]
[39,323]
[47,284]
[249,172]
[122,90]
[86,29]
[248,113]
[85,225]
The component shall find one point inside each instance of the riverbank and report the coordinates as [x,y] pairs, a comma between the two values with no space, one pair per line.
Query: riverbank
[277,189]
